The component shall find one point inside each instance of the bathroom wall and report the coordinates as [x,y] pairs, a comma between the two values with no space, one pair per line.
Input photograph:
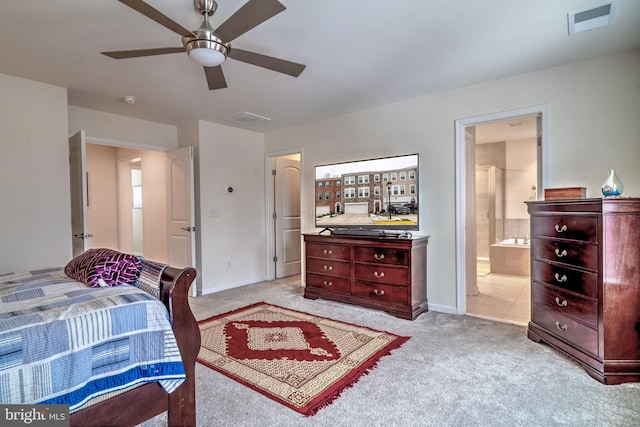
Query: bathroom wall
[521,177]
[518,159]
[487,155]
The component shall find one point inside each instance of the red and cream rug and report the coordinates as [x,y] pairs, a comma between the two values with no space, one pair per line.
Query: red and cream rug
[301,360]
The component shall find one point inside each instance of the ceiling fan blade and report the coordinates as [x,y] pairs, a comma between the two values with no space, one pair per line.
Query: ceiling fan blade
[269,62]
[251,14]
[151,13]
[123,54]
[215,77]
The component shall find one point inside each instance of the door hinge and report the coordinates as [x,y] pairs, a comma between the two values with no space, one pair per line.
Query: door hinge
[275,259]
[274,215]
[273,172]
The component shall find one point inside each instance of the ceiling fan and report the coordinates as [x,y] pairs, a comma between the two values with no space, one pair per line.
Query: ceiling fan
[210,47]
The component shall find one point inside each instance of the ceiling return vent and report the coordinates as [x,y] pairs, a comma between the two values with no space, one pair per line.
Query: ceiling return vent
[591,18]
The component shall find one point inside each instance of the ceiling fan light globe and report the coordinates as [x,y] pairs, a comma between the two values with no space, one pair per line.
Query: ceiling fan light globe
[207,57]
[209,53]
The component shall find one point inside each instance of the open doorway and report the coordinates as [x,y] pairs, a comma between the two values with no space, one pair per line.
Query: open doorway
[121,181]
[500,160]
[168,226]
[505,178]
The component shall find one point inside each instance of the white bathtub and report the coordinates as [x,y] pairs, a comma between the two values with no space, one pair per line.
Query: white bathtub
[509,257]
[511,242]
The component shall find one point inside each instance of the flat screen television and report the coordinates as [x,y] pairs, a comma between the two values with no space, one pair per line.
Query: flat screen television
[369,195]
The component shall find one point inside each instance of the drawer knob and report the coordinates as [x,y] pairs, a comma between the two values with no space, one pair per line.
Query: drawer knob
[560,253]
[328,252]
[561,229]
[562,303]
[327,284]
[561,326]
[379,257]
[560,278]
[381,274]
[377,292]
[328,267]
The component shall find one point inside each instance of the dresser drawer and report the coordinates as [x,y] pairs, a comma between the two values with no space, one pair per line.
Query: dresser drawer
[381,255]
[381,273]
[566,227]
[329,283]
[580,282]
[584,310]
[330,251]
[381,292]
[329,266]
[565,328]
[567,252]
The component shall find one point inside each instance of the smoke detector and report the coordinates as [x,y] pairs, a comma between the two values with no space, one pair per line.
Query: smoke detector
[593,17]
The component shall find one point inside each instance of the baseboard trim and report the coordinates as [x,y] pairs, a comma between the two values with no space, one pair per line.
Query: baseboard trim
[443,308]
[228,286]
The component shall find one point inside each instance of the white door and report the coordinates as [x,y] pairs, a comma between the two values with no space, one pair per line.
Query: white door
[79,196]
[287,217]
[181,209]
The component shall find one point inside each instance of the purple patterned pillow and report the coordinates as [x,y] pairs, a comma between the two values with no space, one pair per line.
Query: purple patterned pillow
[104,267]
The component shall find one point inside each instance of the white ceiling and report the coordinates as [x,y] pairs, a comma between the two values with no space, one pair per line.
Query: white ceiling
[359,53]
[506,130]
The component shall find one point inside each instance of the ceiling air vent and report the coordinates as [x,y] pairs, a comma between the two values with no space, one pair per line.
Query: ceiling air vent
[246,118]
[592,18]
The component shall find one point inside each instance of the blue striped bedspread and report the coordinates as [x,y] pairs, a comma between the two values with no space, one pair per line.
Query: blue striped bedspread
[62,342]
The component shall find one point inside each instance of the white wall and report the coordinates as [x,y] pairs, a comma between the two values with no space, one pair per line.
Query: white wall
[232,225]
[122,128]
[34,176]
[594,108]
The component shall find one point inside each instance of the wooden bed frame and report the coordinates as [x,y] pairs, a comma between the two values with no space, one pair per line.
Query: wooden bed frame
[146,401]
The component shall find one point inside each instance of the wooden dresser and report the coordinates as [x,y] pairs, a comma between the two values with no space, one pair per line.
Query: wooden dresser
[585,283]
[389,274]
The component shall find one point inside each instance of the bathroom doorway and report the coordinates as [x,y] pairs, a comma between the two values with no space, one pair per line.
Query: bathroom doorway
[503,170]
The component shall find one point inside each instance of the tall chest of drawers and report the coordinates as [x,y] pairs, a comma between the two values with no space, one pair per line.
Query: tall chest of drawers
[389,274]
[585,283]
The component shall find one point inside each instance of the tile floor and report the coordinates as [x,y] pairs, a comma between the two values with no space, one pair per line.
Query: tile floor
[503,298]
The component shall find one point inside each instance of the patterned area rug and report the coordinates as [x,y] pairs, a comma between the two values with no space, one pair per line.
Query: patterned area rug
[301,360]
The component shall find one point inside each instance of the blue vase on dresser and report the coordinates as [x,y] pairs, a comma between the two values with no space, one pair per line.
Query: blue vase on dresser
[612,187]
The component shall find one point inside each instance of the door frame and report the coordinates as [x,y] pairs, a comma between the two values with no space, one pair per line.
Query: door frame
[465,185]
[269,191]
